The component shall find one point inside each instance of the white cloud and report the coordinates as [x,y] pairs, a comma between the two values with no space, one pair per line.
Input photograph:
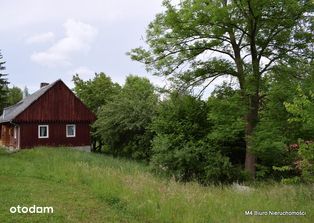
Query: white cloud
[41,38]
[84,72]
[120,23]
[78,38]
[32,12]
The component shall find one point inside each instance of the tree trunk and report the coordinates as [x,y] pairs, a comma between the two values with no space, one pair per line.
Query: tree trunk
[251,122]
[251,118]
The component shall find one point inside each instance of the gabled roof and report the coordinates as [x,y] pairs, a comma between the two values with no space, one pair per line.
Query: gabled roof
[13,111]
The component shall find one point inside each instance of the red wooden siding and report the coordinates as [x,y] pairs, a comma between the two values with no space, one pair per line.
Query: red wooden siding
[58,104]
[57,135]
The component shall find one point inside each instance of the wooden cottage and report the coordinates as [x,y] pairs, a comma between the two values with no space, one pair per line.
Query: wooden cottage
[52,116]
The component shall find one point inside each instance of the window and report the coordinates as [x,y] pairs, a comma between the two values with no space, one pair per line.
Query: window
[15,132]
[43,131]
[70,130]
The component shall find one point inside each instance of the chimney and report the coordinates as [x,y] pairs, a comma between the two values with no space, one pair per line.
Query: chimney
[43,84]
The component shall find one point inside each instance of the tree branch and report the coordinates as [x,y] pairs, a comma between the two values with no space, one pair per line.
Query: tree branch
[210,82]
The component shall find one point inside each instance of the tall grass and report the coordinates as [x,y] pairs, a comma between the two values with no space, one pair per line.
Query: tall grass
[86,187]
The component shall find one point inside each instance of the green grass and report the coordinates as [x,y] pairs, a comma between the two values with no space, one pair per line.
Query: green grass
[86,187]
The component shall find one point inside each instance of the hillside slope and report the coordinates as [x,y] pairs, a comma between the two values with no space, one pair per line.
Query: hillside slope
[86,187]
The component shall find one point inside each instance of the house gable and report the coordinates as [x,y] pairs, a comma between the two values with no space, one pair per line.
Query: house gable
[57,104]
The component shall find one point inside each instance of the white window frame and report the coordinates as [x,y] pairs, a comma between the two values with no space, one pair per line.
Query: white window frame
[43,137]
[67,133]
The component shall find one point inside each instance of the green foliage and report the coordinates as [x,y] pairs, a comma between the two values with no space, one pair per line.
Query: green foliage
[3,85]
[302,109]
[95,92]
[274,134]
[306,154]
[15,94]
[194,42]
[123,123]
[270,145]
[291,180]
[261,45]
[226,114]
[281,122]
[180,148]
[182,115]
[272,149]
[181,121]
[218,168]
[184,32]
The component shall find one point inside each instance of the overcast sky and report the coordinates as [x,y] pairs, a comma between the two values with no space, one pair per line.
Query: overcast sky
[44,40]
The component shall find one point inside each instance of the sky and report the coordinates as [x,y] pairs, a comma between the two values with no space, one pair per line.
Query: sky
[44,40]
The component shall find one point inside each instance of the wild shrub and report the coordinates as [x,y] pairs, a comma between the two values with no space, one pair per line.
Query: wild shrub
[306,162]
[182,148]
[123,123]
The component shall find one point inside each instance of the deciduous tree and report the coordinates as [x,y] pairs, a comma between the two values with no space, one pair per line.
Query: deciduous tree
[123,123]
[196,41]
[95,93]
[15,94]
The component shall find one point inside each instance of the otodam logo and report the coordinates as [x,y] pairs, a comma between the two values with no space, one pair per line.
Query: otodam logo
[32,210]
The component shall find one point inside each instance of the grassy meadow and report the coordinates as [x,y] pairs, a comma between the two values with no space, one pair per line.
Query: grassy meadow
[87,187]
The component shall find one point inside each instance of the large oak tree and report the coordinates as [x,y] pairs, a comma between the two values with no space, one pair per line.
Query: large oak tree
[196,41]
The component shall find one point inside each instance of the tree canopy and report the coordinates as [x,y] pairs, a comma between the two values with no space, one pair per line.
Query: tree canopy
[95,92]
[123,123]
[15,94]
[196,41]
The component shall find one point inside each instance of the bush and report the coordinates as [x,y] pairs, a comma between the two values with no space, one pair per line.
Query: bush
[273,153]
[181,147]
[302,166]
[123,123]
[225,113]
[274,134]
[193,161]
[306,163]
[180,123]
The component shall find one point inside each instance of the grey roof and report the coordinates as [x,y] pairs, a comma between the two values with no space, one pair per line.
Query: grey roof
[13,111]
